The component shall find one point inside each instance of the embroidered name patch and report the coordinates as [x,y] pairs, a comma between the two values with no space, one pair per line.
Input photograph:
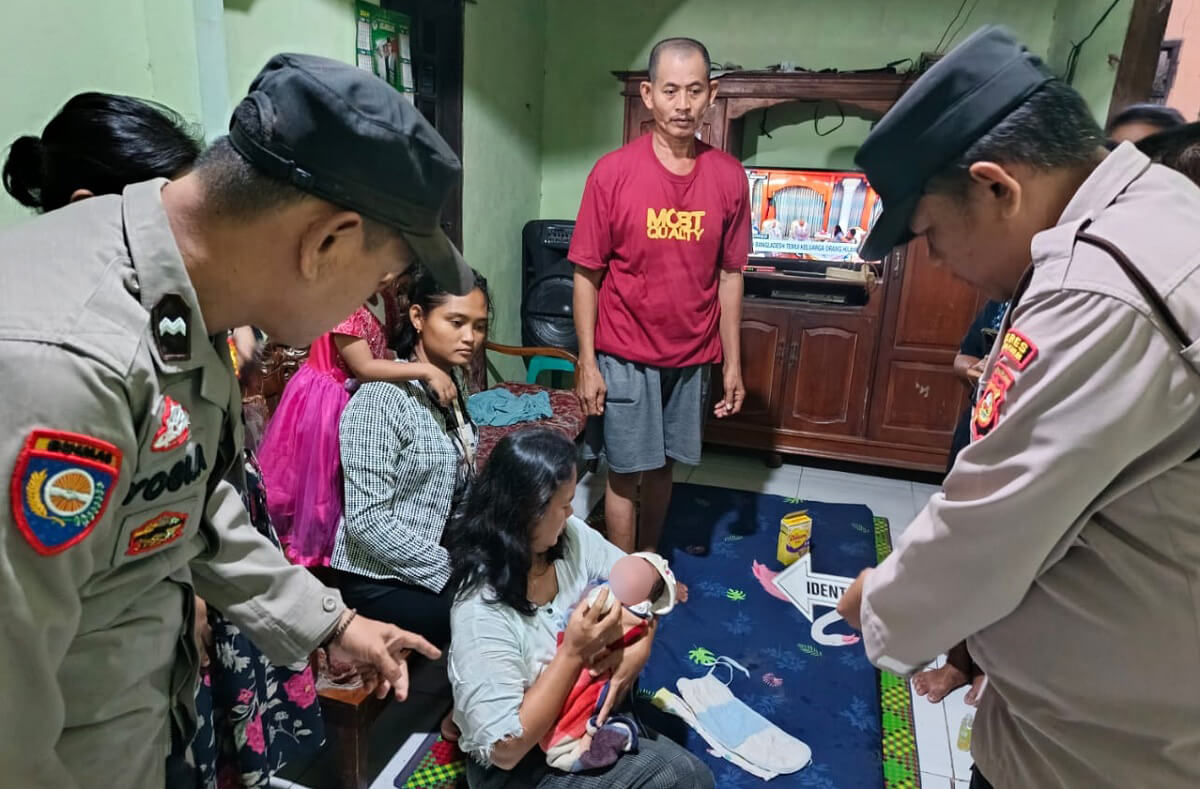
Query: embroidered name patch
[166,527]
[174,426]
[1018,349]
[61,486]
[186,470]
[987,408]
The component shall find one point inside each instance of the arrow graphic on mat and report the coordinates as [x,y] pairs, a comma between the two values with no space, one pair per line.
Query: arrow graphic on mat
[808,589]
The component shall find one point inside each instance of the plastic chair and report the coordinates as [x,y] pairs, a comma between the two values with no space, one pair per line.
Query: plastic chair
[545,364]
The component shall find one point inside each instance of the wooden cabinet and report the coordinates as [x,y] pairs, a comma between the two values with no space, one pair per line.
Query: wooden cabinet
[764,343]
[829,366]
[806,372]
[919,398]
[871,383]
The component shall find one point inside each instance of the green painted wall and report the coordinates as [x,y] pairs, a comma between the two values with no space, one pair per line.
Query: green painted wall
[1094,75]
[796,140]
[585,42]
[257,29]
[540,105]
[502,134]
[52,50]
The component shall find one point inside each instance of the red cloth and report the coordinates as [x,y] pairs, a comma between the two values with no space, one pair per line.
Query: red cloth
[662,238]
[581,701]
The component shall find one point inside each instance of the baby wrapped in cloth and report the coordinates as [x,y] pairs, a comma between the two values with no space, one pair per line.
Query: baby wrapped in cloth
[644,585]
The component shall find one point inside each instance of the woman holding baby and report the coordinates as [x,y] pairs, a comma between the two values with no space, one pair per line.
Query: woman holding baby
[521,566]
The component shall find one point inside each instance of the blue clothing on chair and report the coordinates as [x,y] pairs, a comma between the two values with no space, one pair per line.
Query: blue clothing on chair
[500,408]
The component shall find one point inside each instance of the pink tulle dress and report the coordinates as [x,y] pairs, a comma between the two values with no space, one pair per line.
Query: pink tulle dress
[301,465]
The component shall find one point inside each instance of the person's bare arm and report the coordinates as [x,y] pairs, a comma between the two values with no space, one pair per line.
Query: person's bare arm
[968,368]
[246,344]
[589,384]
[729,294]
[540,709]
[626,665]
[587,632]
[357,354]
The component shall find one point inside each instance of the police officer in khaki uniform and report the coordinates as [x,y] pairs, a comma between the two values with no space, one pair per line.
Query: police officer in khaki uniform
[120,415]
[1065,546]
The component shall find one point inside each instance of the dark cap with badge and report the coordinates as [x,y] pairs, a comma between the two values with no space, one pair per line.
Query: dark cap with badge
[344,135]
[962,97]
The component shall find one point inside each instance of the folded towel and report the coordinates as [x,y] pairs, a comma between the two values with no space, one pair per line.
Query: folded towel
[500,408]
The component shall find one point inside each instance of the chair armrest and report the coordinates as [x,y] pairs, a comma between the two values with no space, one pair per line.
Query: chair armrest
[513,350]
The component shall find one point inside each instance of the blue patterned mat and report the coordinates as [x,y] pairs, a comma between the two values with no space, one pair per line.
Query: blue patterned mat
[829,697]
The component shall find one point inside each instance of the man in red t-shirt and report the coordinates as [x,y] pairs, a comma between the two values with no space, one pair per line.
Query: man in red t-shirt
[662,236]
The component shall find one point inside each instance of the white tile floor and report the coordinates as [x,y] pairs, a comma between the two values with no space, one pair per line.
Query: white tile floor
[943,765]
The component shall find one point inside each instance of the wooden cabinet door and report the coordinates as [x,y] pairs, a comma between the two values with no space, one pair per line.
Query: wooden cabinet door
[828,372]
[764,343]
[917,398]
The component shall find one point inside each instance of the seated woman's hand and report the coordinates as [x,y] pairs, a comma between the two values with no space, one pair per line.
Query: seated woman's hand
[590,629]
[626,665]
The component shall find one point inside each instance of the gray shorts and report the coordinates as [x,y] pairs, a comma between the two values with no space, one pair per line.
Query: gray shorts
[650,414]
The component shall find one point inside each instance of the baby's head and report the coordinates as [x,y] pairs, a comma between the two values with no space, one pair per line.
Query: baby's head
[643,576]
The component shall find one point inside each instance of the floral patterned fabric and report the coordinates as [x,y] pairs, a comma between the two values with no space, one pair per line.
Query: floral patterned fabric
[568,419]
[254,717]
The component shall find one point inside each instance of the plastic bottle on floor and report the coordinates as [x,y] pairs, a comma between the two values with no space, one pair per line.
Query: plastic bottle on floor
[964,732]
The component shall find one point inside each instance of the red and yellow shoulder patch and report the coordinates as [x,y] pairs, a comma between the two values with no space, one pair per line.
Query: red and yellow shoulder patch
[987,408]
[1016,353]
[61,485]
[164,528]
[1018,349]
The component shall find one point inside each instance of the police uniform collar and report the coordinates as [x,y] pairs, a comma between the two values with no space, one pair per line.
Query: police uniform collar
[1112,176]
[180,340]
[164,288]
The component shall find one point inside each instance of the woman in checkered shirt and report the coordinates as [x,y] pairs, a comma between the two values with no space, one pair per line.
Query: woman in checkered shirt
[407,461]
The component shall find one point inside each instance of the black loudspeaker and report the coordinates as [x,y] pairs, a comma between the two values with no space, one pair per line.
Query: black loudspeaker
[547,285]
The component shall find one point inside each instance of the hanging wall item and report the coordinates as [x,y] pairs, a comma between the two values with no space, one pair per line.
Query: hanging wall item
[382,46]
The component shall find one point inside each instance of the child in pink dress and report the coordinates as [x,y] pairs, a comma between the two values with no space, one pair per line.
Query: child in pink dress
[299,455]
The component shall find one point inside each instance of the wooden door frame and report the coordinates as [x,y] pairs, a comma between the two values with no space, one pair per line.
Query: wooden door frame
[1139,54]
[449,104]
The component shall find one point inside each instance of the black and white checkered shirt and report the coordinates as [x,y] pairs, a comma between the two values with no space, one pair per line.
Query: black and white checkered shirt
[400,469]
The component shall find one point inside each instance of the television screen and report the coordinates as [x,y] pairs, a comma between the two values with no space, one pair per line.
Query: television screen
[817,215]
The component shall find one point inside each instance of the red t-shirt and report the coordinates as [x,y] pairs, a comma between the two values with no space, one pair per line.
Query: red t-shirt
[663,239]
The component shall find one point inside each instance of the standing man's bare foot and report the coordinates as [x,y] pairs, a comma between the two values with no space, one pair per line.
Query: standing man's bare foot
[937,683]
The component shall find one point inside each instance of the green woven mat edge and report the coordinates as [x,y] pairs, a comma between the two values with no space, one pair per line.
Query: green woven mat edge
[428,774]
[901,769]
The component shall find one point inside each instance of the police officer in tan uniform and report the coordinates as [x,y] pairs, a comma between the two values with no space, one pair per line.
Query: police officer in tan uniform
[120,416]
[1065,546]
